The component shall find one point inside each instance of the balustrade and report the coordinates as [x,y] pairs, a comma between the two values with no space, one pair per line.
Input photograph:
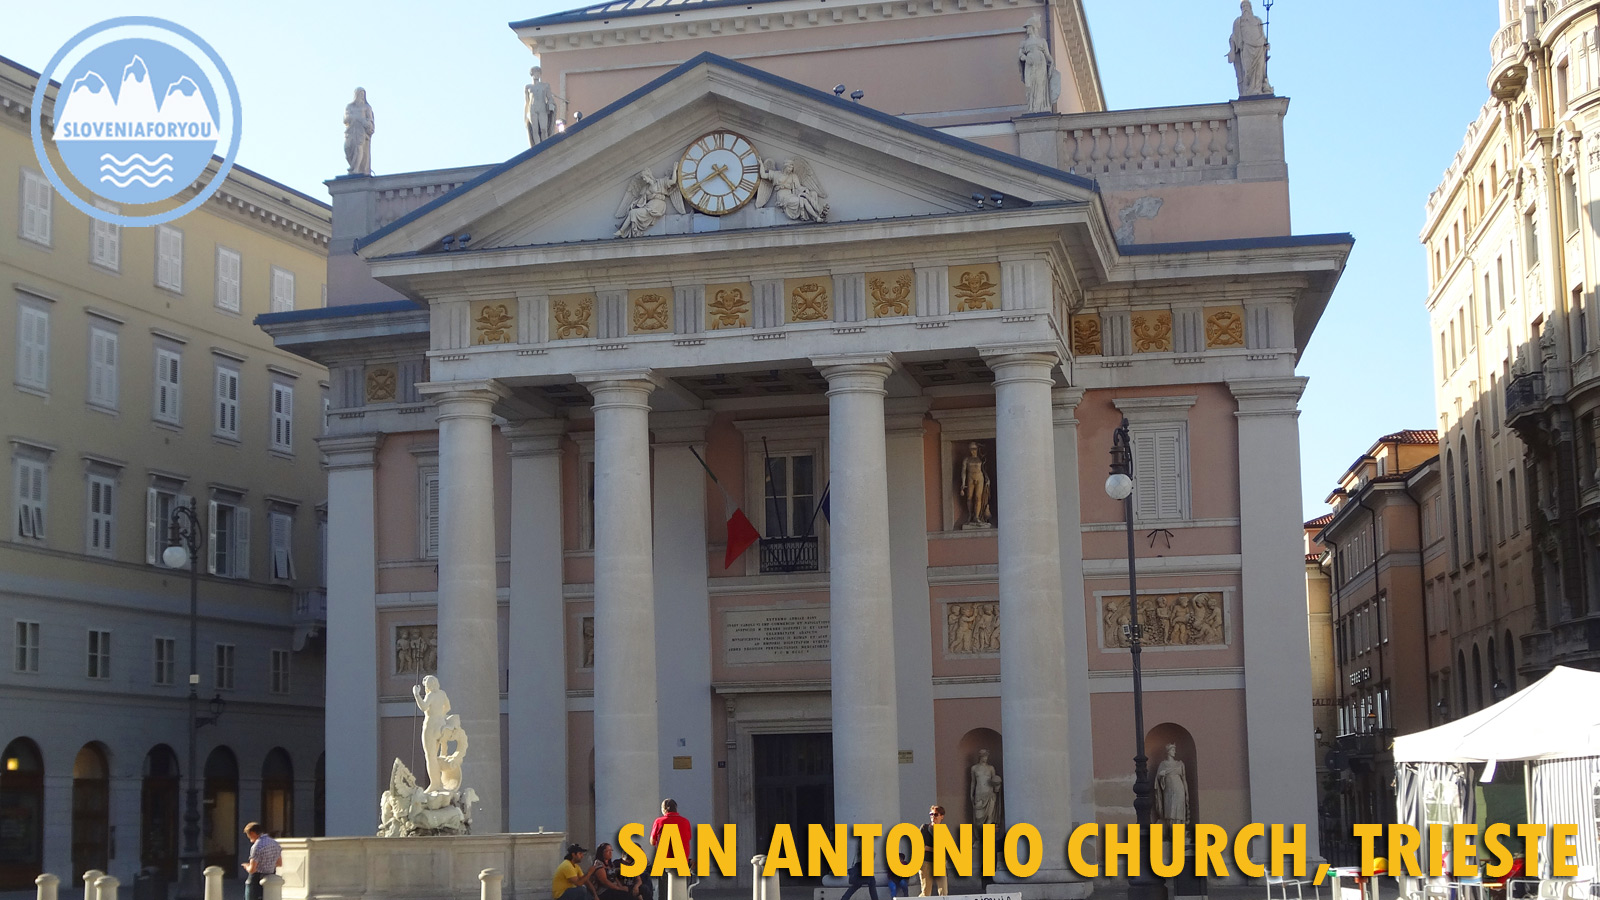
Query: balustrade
[1149,140]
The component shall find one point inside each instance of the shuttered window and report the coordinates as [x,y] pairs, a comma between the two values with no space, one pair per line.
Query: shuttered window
[102,491]
[169,258]
[37,197]
[1160,470]
[33,347]
[159,505]
[228,279]
[227,402]
[229,540]
[282,290]
[281,526]
[29,498]
[430,515]
[103,368]
[169,386]
[105,240]
[283,418]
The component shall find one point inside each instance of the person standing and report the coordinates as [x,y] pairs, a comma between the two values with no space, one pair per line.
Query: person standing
[264,856]
[570,882]
[859,881]
[670,818]
[932,884]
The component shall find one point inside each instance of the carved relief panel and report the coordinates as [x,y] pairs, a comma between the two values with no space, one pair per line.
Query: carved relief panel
[890,293]
[972,628]
[572,316]
[416,649]
[494,322]
[974,287]
[650,311]
[808,299]
[382,383]
[1177,620]
[1152,331]
[1086,335]
[1224,326]
[728,306]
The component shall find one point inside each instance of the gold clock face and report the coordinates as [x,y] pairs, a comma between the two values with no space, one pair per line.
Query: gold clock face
[719,173]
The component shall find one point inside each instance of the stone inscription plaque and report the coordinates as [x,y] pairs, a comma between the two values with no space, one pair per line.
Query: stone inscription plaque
[775,635]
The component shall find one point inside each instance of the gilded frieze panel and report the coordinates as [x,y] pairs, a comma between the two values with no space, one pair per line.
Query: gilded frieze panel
[382,383]
[572,316]
[650,311]
[808,299]
[890,293]
[974,287]
[1086,335]
[494,322]
[1152,331]
[728,306]
[1224,326]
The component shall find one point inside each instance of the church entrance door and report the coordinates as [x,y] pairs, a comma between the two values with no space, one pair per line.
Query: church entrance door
[793,781]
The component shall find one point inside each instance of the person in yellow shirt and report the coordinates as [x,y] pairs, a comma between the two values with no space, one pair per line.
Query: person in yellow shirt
[570,881]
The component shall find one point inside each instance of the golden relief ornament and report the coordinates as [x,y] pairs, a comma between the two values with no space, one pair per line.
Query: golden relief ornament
[1086,336]
[975,287]
[493,322]
[727,306]
[1225,327]
[890,293]
[572,315]
[651,311]
[383,383]
[1180,619]
[809,299]
[972,627]
[1152,331]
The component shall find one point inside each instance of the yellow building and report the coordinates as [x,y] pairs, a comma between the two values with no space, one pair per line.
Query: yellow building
[138,384]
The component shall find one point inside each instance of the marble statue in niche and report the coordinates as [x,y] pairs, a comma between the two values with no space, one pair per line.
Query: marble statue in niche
[1247,50]
[539,108]
[416,649]
[1172,789]
[984,791]
[359,124]
[974,476]
[972,627]
[588,642]
[1182,619]
[793,188]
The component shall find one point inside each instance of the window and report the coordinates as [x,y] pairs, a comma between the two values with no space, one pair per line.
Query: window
[280,671]
[105,240]
[227,419]
[228,279]
[1466,500]
[229,540]
[1500,281]
[283,417]
[102,490]
[99,662]
[1383,618]
[27,647]
[1530,238]
[33,346]
[1159,463]
[29,497]
[37,196]
[1569,197]
[169,258]
[222,675]
[791,495]
[1580,323]
[1488,302]
[159,505]
[103,368]
[282,290]
[281,526]
[1516,517]
[430,515]
[169,386]
[1500,506]
[166,660]
[1450,490]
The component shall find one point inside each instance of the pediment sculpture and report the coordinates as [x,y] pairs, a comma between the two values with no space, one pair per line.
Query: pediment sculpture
[645,202]
[793,188]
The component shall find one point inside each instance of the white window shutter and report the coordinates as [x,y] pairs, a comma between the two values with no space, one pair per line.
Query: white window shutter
[1168,471]
[430,516]
[282,567]
[152,528]
[1145,478]
[211,537]
[241,542]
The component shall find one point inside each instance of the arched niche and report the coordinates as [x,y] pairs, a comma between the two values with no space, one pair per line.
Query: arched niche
[220,818]
[981,739]
[1155,749]
[277,793]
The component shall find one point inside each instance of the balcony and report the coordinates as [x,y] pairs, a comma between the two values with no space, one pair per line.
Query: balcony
[1524,395]
[781,555]
[1507,72]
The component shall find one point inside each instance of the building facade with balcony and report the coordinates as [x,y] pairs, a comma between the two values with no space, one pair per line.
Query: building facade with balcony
[911,396]
[1512,259]
[140,384]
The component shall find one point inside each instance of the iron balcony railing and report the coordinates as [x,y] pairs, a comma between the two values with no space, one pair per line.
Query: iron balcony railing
[789,554]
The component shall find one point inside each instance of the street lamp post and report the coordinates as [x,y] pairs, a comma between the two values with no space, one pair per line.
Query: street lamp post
[187,540]
[1119,486]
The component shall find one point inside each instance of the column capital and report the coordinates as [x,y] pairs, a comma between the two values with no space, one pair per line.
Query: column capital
[486,389]
[1064,404]
[1268,396]
[1033,361]
[350,451]
[681,427]
[621,388]
[534,437]
[592,380]
[856,372]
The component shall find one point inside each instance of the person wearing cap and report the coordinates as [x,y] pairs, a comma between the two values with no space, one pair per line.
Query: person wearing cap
[570,881]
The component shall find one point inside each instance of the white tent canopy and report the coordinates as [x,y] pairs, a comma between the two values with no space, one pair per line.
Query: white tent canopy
[1557,716]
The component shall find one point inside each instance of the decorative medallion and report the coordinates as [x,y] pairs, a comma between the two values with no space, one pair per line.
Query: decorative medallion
[972,627]
[493,321]
[727,306]
[808,299]
[1225,326]
[719,173]
[1152,331]
[382,384]
[1184,619]
[571,316]
[650,311]
[974,287]
[889,293]
[1086,335]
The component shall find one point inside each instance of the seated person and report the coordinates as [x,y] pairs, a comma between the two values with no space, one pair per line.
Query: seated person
[608,877]
[642,881]
[858,880]
[570,881]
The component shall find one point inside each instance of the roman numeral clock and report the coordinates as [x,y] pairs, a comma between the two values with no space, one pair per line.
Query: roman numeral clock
[719,173]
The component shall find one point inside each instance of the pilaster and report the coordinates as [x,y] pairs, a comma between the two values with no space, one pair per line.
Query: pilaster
[1069,513]
[913,622]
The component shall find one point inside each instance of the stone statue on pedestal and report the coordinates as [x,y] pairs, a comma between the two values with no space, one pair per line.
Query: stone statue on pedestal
[1247,50]
[444,806]
[975,488]
[1037,67]
[1172,790]
[358,127]
[539,109]
[985,792]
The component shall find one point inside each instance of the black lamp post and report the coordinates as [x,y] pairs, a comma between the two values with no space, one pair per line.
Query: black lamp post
[1145,885]
[187,540]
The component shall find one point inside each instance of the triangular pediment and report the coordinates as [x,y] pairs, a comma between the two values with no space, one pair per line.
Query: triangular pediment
[870,165]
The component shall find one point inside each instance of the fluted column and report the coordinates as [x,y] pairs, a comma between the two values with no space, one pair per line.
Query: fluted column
[866,777]
[351,705]
[627,782]
[469,640]
[536,690]
[1033,673]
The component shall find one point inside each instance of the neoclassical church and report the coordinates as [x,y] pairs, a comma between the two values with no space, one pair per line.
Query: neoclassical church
[744,440]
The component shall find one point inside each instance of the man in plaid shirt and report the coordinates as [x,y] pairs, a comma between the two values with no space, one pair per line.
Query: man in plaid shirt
[264,856]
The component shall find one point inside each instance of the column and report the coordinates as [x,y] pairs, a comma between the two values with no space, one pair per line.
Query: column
[352,768]
[866,777]
[627,781]
[913,622]
[683,606]
[1069,515]
[1277,681]
[1033,676]
[536,692]
[469,626]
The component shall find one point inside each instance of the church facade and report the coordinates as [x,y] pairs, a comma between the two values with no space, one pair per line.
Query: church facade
[898,346]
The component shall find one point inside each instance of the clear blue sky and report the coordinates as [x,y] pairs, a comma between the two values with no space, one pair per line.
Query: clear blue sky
[1381,95]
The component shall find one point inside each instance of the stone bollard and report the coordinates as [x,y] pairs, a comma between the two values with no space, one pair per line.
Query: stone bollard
[272,887]
[105,888]
[48,885]
[764,887]
[213,876]
[492,880]
[88,883]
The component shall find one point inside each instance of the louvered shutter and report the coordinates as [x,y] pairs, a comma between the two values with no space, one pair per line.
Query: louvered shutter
[282,563]
[211,537]
[1145,491]
[1169,474]
[152,527]
[430,516]
[241,542]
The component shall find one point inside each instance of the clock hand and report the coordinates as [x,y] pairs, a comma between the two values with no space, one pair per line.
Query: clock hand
[722,172]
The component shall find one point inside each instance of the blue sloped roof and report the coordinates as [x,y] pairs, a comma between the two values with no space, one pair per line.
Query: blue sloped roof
[618,8]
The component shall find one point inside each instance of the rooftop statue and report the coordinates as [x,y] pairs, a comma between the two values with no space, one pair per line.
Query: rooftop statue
[358,128]
[1247,50]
